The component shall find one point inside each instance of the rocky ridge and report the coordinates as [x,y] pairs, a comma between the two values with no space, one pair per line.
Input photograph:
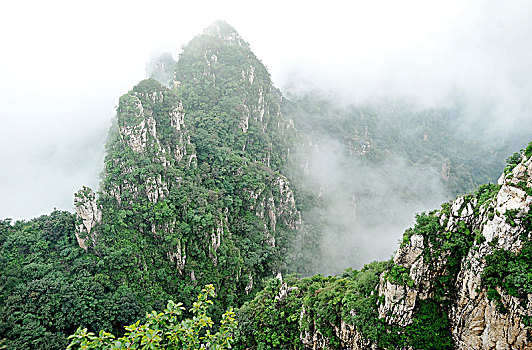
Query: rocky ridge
[477,320]
[89,216]
[194,169]
[459,280]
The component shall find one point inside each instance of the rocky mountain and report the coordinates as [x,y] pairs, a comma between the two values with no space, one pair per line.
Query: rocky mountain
[459,280]
[210,178]
[191,194]
[192,174]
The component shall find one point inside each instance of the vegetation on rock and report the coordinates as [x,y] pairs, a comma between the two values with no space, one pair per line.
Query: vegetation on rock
[204,184]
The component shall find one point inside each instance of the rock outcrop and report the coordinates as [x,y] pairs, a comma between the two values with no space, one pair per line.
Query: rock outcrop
[193,168]
[349,337]
[460,279]
[89,216]
[477,321]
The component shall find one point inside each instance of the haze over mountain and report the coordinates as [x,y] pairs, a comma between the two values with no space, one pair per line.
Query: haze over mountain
[214,177]
[65,64]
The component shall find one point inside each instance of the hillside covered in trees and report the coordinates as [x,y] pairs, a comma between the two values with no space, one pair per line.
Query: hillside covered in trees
[213,177]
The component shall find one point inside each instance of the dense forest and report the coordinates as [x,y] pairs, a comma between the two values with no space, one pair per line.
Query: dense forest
[218,185]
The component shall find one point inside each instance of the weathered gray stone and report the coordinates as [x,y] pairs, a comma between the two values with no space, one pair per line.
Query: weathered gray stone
[90,215]
[476,321]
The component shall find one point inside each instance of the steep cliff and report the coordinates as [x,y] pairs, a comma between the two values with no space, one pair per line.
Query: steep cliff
[195,190]
[191,190]
[460,279]
[475,265]
[88,215]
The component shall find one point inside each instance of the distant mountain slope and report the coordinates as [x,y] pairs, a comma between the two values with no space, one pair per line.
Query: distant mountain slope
[460,280]
[211,176]
[361,170]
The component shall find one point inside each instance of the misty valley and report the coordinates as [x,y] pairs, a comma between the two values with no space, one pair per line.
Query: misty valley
[231,214]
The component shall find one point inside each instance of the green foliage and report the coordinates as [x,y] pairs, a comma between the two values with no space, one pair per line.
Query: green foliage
[451,246]
[268,322]
[511,216]
[479,237]
[515,159]
[427,225]
[271,322]
[430,328]
[49,286]
[165,330]
[512,161]
[397,274]
[522,185]
[486,193]
[211,180]
[509,271]
[218,93]
[528,150]
[318,304]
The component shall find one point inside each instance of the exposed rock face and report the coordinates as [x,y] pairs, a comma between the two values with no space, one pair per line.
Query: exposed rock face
[275,206]
[350,338]
[89,214]
[407,256]
[223,31]
[179,257]
[193,171]
[156,189]
[476,322]
[140,115]
[146,117]
[249,286]
[136,136]
[399,303]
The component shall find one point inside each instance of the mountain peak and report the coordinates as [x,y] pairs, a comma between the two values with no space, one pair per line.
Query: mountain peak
[225,32]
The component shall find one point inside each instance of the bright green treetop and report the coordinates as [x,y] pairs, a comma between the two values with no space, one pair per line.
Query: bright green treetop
[165,330]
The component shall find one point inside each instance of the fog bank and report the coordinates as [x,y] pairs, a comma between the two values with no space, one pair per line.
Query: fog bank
[64,65]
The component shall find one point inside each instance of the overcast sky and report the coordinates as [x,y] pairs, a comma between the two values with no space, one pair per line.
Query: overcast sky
[64,64]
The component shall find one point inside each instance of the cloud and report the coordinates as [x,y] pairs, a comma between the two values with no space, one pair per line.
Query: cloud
[64,64]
